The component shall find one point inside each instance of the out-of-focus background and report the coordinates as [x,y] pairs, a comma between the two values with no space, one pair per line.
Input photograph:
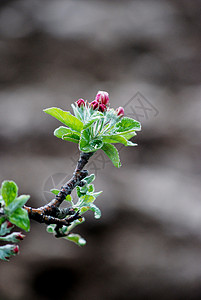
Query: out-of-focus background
[146,54]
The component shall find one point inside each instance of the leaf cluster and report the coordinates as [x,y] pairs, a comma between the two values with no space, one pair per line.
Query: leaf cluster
[13,213]
[86,196]
[12,205]
[94,130]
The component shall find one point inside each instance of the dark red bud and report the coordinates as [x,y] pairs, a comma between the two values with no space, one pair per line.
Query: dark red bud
[94,104]
[80,102]
[102,107]
[9,224]
[16,249]
[20,236]
[120,111]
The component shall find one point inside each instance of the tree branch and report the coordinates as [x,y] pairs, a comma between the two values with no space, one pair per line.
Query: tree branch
[51,213]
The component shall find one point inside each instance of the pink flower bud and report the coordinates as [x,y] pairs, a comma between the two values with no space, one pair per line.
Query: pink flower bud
[102,107]
[20,236]
[120,111]
[103,97]
[94,104]
[16,249]
[80,102]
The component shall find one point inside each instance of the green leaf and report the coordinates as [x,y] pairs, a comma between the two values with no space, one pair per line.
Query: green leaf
[55,191]
[60,131]
[2,219]
[96,210]
[127,124]
[90,178]
[91,121]
[71,137]
[9,191]
[131,144]
[128,134]
[112,152]
[76,238]
[115,139]
[85,200]
[90,188]
[68,198]
[50,228]
[18,202]
[78,111]
[65,117]
[78,191]
[97,194]
[85,139]
[20,218]
[84,189]
[96,144]
[88,145]
[67,229]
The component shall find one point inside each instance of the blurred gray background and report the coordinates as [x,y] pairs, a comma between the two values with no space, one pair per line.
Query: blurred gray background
[146,54]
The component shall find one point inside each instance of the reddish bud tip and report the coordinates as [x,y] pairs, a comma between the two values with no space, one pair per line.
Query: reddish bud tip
[94,104]
[102,107]
[80,102]
[16,249]
[20,236]
[102,97]
[120,111]
[9,224]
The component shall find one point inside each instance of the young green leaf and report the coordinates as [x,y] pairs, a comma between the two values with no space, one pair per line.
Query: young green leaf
[18,202]
[68,198]
[96,210]
[90,178]
[128,134]
[76,238]
[90,188]
[84,140]
[2,219]
[54,191]
[71,137]
[50,228]
[112,152]
[9,191]
[20,218]
[85,200]
[65,117]
[78,112]
[91,121]
[127,124]
[94,145]
[115,139]
[60,131]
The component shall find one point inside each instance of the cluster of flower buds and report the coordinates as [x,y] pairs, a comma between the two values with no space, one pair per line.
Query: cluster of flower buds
[100,103]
